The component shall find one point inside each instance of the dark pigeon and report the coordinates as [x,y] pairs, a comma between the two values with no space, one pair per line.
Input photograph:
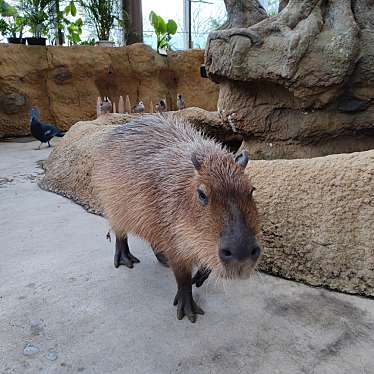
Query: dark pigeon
[44,132]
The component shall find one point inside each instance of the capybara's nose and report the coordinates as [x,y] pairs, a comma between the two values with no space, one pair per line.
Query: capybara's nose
[240,253]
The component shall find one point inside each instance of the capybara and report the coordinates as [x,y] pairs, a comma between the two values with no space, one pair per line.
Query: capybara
[160,179]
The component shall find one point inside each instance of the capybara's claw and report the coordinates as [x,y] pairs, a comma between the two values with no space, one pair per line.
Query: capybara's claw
[123,261]
[123,256]
[186,305]
[201,276]
[127,261]
[134,259]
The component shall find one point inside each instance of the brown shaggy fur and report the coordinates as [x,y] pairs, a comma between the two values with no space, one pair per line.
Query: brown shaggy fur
[147,186]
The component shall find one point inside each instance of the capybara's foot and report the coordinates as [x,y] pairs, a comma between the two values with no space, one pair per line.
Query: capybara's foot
[123,255]
[201,276]
[162,259]
[186,305]
[126,260]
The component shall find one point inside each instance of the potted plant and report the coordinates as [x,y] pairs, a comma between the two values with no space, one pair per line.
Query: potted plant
[15,29]
[164,31]
[103,15]
[36,17]
[11,23]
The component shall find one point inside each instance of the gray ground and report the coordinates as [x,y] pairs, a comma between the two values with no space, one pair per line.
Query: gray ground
[65,309]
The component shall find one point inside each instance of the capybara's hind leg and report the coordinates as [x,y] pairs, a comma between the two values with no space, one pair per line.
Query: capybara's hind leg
[123,255]
[184,301]
[162,259]
[201,276]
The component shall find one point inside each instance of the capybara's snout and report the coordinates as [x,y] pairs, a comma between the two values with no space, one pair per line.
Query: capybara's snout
[239,249]
[238,246]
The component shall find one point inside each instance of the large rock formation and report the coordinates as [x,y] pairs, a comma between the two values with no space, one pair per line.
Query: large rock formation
[300,83]
[64,83]
[318,219]
[317,214]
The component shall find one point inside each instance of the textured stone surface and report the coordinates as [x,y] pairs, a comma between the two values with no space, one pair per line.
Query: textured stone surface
[302,78]
[64,83]
[318,214]
[318,219]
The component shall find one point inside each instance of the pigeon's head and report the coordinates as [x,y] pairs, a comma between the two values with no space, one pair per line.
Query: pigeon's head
[141,103]
[35,113]
[179,96]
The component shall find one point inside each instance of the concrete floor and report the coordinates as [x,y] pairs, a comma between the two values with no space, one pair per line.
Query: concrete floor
[65,309]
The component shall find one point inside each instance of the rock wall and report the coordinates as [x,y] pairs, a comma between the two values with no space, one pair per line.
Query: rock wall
[301,83]
[317,214]
[64,82]
[318,219]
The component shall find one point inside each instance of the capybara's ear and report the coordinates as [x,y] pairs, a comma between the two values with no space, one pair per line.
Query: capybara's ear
[242,158]
[195,161]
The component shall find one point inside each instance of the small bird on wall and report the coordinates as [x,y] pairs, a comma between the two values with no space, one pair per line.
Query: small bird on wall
[106,106]
[161,106]
[180,102]
[44,132]
[139,108]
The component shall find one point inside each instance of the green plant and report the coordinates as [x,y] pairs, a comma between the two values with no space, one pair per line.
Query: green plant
[71,9]
[36,15]
[11,22]
[164,30]
[16,25]
[74,31]
[7,10]
[103,14]
[88,42]
[3,27]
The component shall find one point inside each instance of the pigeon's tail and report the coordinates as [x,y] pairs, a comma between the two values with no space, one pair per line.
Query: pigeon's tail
[60,134]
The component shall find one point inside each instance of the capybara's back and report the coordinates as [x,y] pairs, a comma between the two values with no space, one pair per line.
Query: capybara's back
[165,182]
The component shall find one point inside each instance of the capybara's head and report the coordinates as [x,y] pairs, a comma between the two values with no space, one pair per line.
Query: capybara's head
[224,215]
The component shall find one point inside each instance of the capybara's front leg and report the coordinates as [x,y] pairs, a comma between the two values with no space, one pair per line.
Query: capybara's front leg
[123,255]
[184,301]
[201,276]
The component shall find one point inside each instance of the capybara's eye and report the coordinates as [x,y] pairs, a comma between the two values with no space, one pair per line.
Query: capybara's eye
[203,198]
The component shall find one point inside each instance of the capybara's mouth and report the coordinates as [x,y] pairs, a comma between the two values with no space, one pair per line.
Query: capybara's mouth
[237,271]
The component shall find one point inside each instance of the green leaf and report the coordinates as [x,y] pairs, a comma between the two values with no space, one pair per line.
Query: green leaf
[171,27]
[163,30]
[3,27]
[161,26]
[67,10]
[73,9]
[153,19]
